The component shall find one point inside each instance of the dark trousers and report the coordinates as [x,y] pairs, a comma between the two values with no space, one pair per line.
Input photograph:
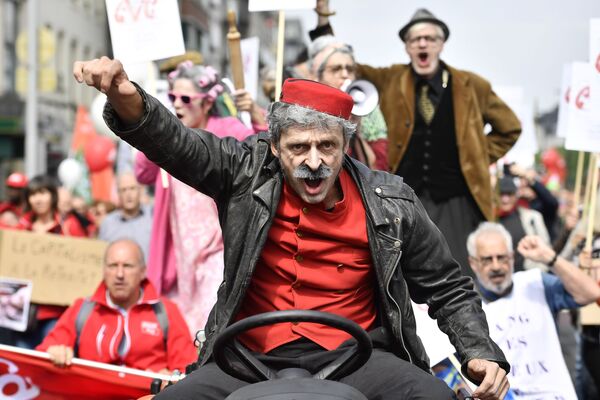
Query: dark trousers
[383,377]
[456,218]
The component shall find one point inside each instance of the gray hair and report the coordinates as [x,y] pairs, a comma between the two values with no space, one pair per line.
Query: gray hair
[488,227]
[321,43]
[283,116]
[420,25]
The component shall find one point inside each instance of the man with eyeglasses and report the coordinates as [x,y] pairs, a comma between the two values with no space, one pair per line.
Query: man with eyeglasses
[520,307]
[435,116]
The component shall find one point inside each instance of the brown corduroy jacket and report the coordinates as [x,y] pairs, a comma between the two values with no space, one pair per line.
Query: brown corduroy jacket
[475,104]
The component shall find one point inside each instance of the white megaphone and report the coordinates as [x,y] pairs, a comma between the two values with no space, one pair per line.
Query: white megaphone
[364,94]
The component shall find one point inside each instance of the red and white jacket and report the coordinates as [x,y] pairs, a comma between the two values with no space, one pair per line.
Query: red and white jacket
[106,327]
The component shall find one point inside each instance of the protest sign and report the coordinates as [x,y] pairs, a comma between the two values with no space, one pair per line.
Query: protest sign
[579,133]
[15,299]
[595,76]
[563,102]
[60,268]
[144,30]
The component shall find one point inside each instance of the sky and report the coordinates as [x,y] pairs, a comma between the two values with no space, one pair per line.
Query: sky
[521,43]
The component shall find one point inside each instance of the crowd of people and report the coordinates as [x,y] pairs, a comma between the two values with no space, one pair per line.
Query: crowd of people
[312,207]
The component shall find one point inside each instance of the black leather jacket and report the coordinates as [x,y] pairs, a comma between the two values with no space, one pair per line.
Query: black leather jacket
[409,254]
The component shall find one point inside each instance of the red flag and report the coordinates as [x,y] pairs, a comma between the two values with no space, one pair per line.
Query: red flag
[28,374]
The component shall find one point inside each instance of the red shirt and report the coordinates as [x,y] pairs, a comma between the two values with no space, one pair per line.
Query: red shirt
[313,260]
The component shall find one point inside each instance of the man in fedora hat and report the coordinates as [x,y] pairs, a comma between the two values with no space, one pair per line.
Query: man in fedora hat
[435,116]
[307,227]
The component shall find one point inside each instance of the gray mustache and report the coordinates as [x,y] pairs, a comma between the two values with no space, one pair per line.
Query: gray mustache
[303,172]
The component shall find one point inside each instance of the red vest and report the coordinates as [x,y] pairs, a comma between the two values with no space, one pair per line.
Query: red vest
[313,260]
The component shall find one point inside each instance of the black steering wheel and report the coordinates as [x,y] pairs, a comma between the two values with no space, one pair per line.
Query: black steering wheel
[344,365]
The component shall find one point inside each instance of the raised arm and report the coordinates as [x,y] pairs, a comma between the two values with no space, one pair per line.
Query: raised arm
[109,77]
[579,285]
[215,166]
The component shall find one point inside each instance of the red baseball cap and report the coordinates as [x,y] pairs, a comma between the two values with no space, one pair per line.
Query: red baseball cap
[317,96]
[16,180]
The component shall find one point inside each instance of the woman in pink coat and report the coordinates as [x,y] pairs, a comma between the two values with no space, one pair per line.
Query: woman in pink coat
[186,248]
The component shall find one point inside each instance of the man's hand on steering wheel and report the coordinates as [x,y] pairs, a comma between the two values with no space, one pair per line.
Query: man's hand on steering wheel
[494,383]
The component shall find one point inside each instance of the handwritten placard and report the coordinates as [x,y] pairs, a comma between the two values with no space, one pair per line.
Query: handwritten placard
[274,5]
[144,30]
[60,268]
[563,102]
[579,134]
[595,76]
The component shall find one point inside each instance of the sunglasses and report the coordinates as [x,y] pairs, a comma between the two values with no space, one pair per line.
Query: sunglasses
[185,98]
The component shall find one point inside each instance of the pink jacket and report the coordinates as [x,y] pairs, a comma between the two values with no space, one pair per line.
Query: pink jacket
[161,263]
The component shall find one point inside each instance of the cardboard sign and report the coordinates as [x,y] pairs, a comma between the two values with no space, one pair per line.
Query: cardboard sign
[579,135]
[437,345]
[15,299]
[595,76]
[275,5]
[523,152]
[60,268]
[144,30]
[563,102]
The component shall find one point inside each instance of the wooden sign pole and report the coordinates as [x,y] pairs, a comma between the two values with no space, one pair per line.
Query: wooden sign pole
[579,178]
[592,203]
[586,195]
[280,47]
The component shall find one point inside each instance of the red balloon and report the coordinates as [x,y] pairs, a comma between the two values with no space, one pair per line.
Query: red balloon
[99,153]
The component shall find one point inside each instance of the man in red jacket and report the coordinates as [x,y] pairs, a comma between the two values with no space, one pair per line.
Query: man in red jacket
[124,325]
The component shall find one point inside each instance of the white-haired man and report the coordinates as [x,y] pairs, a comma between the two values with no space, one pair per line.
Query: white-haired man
[520,307]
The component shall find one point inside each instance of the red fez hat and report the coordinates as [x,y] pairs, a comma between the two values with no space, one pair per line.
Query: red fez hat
[317,96]
[16,180]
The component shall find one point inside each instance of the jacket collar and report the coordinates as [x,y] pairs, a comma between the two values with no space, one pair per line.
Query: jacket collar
[149,294]
[269,188]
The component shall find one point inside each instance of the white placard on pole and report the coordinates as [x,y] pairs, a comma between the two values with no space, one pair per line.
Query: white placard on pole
[436,343]
[563,102]
[144,30]
[579,134]
[523,152]
[250,54]
[595,76]
[278,5]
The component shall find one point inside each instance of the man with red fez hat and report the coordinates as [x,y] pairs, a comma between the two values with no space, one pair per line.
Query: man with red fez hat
[435,116]
[12,209]
[307,227]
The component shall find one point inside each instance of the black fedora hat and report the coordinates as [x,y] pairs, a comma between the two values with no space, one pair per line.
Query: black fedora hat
[423,15]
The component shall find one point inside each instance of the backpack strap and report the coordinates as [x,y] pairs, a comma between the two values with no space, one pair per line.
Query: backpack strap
[163,319]
[84,312]
[88,305]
